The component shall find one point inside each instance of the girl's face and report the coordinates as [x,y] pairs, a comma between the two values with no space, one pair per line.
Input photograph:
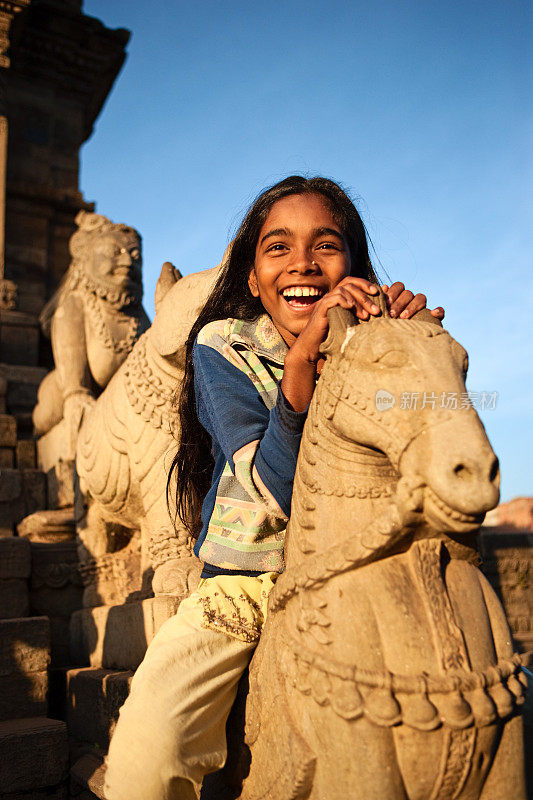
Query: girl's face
[301,254]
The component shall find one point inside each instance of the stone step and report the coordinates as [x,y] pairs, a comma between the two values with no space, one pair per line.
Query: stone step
[94,698]
[116,637]
[15,565]
[24,659]
[33,757]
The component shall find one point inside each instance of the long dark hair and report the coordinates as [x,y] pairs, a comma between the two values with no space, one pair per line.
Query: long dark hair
[192,466]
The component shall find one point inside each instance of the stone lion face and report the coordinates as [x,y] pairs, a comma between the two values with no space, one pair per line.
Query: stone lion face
[115,261]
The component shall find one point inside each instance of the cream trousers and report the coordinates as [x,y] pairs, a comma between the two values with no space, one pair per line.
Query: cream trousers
[171,729]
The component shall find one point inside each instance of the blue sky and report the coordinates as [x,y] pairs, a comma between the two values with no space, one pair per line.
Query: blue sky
[419,108]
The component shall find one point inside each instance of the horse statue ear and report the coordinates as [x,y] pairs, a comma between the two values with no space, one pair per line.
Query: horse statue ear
[340,319]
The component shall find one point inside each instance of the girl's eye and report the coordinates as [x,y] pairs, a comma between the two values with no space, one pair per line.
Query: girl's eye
[327,246]
[275,247]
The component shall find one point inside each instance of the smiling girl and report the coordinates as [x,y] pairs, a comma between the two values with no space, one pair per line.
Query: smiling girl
[253,358]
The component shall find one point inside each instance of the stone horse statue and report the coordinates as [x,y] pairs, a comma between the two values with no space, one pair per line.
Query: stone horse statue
[386,667]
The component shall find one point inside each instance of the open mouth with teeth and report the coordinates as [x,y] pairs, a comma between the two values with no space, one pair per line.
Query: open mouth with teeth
[302,296]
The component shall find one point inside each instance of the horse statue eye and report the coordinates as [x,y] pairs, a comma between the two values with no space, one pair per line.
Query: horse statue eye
[392,358]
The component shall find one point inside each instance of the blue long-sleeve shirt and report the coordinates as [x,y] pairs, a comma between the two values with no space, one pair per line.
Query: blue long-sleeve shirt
[255,440]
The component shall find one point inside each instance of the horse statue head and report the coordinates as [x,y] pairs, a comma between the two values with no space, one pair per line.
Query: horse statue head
[398,386]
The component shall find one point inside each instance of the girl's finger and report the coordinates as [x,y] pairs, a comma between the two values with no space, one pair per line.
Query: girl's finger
[360,283]
[401,303]
[385,288]
[363,299]
[341,296]
[438,312]
[417,304]
[394,292]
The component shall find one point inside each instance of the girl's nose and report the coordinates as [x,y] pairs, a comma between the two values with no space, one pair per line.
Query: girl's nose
[304,264]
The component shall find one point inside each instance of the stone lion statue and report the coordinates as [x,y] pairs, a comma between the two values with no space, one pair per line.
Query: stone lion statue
[93,320]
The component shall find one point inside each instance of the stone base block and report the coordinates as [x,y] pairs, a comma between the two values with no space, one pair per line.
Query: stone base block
[24,659]
[14,597]
[33,755]
[95,697]
[116,637]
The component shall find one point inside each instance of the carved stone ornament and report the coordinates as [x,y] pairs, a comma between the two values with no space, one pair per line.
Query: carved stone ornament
[386,660]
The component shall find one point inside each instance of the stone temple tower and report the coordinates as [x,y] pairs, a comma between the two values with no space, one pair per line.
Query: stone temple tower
[57,66]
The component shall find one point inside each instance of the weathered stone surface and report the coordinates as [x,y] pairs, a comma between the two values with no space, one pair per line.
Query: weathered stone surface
[508,564]
[33,754]
[7,457]
[116,637]
[14,596]
[24,645]
[15,558]
[8,430]
[24,659]
[95,697]
[26,454]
